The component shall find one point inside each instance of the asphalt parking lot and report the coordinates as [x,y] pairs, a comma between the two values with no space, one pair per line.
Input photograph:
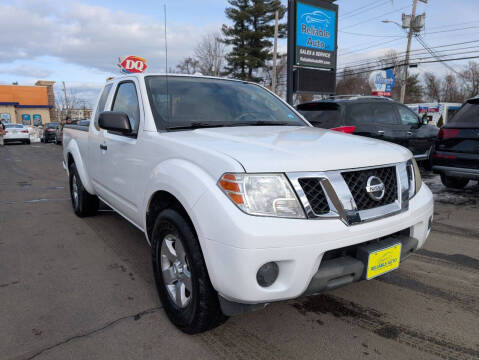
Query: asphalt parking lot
[74,288]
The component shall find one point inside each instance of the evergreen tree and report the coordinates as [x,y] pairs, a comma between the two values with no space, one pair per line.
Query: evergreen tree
[250,35]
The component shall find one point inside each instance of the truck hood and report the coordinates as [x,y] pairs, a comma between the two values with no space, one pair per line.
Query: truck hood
[291,148]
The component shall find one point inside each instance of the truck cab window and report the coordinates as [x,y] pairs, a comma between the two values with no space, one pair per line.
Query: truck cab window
[126,100]
[101,104]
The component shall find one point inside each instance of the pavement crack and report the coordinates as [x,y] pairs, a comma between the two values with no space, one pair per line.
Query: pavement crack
[135,317]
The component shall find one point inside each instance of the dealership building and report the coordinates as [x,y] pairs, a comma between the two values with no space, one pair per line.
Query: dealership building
[28,105]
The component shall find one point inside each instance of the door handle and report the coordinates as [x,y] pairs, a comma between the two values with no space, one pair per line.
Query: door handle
[409,133]
[103,147]
[380,132]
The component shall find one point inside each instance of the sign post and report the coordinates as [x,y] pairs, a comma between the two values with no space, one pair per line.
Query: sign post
[312,47]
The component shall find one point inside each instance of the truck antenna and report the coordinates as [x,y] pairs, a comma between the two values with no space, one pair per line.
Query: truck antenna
[166,65]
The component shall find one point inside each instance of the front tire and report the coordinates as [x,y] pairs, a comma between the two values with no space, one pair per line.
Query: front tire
[84,204]
[454,182]
[184,287]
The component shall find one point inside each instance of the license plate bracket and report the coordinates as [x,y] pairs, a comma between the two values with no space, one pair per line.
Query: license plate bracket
[380,258]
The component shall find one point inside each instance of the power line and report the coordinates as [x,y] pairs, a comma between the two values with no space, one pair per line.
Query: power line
[371,6]
[351,51]
[375,18]
[404,64]
[362,7]
[451,30]
[417,55]
[422,50]
[390,62]
[368,35]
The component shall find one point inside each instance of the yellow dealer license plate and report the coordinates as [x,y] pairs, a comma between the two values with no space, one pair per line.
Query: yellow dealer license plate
[383,261]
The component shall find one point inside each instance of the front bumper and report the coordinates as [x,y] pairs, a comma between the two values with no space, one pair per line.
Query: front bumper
[234,250]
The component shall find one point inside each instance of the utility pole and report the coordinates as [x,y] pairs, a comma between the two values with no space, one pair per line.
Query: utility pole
[275,50]
[66,98]
[290,59]
[409,41]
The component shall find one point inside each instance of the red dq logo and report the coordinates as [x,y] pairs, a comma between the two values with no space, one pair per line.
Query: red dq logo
[132,64]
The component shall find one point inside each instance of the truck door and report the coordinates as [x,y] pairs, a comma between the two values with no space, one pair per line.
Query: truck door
[95,139]
[123,167]
[376,119]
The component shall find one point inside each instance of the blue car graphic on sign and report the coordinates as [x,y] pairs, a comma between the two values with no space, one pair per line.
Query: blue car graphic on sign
[317,17]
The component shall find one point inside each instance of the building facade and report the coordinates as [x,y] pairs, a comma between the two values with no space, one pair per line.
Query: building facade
[28,105]
[74,114]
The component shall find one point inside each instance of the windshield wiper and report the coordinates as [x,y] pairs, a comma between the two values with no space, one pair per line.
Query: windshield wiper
[260,123]
[195,125]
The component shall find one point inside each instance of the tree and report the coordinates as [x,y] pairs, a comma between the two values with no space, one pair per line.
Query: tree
[353,82]
[188,66]
[450,89]
[210,54]
[432,87]
[470,77]
[414,89]
[250,35]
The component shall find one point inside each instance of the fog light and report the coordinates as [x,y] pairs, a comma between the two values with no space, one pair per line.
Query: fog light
[267,274]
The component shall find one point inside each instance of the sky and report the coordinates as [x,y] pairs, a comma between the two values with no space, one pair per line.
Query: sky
[79,41]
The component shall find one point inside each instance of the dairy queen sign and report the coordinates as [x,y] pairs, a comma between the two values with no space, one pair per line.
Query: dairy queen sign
[382,82]
[132,64]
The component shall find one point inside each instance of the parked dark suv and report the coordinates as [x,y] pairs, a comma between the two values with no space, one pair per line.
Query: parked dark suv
[375,117]
[457,147]
[49,132]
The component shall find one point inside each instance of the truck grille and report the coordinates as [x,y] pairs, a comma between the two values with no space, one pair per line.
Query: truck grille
[314,193]
[357,182]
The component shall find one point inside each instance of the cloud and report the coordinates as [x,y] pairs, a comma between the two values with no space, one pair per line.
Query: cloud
[28,71]
[91,36]
[84,93]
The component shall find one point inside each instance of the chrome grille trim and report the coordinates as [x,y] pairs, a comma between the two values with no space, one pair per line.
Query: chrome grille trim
[340,199]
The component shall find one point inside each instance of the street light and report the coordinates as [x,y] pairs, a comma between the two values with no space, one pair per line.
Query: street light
[406,63]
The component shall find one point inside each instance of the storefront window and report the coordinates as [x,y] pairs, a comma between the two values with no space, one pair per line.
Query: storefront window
[5,118]
[37,119]
[26,119]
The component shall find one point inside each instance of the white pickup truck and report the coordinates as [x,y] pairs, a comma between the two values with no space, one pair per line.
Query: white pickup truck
[243,202]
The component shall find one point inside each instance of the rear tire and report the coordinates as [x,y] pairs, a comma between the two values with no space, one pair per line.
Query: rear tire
[454,182]
[84,204]
[184,287]
[27,142]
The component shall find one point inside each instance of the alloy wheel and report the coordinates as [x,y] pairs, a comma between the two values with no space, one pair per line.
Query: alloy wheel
[176,271]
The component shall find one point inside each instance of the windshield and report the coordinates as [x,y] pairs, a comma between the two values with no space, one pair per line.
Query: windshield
[324,115]
[13,126]
[467,115]
[188,102]
[52,126]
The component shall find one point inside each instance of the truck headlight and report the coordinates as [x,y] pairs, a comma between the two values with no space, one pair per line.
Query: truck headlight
[262,194]
[414,176]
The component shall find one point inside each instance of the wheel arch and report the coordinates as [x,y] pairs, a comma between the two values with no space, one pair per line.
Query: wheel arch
[159,201]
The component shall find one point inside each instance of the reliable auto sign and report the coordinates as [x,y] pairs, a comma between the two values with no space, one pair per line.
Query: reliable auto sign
[132,64]
[316,30]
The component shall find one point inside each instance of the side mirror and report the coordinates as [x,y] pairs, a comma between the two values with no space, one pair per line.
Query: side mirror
[425,121]
[115,121]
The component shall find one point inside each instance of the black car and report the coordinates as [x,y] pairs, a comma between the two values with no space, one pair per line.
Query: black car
[457,147]
[49,132]
[375,117]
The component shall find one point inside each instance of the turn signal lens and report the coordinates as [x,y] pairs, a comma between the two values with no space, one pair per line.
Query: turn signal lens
[231,187]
